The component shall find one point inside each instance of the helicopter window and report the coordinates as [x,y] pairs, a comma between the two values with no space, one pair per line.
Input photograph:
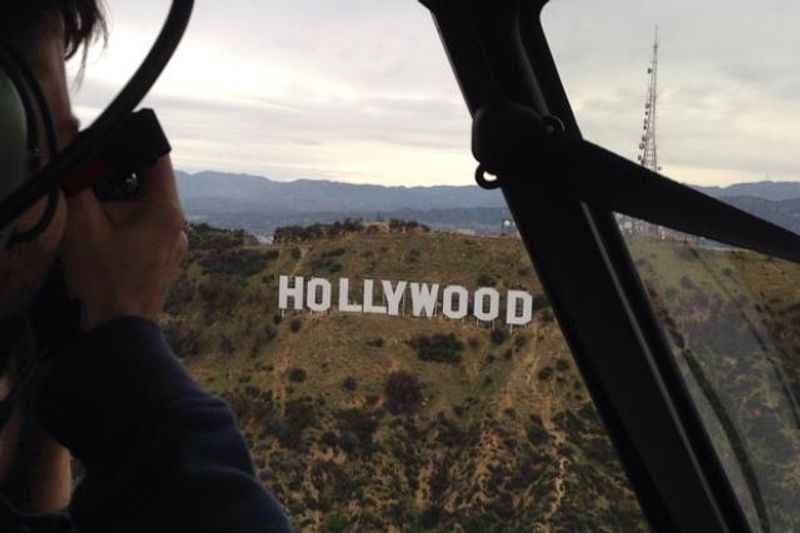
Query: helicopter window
[388,350]
[728,313]
[725,107]
[731,318]
[724,122]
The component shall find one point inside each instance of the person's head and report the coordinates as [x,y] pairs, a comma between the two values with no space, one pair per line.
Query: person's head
[46,33]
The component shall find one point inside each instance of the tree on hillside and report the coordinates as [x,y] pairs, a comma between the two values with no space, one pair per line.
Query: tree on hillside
[438,348]
[299,234]
[403,393]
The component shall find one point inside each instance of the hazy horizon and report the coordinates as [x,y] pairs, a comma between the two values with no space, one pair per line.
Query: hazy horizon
[373,183]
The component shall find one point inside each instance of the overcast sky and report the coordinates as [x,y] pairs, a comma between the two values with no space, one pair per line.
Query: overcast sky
[361,91]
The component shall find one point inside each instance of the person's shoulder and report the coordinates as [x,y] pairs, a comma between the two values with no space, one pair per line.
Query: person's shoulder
[13,520]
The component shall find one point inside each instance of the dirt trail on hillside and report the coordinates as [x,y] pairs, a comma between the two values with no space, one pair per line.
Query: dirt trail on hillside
[560,478]
[299,263]
[282,365]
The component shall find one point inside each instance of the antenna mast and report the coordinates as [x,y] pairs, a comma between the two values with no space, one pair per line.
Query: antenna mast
[648,151]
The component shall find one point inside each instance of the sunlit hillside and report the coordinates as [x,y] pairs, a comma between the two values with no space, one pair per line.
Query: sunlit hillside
[379,423]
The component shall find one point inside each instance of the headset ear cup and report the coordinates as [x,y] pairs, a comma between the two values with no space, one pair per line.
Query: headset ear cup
[14,143]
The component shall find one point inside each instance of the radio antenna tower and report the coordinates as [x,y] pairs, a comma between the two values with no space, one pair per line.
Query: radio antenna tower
[648,151]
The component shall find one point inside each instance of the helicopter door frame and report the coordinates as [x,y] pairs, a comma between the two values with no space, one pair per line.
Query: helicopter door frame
[587,273]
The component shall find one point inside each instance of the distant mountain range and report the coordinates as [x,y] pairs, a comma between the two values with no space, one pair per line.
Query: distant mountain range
[259,204]
[768,190]
[777,202]
[213,191]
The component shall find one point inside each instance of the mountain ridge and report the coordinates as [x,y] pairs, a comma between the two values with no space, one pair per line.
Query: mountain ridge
[261,204]
[326,195]
[766,189]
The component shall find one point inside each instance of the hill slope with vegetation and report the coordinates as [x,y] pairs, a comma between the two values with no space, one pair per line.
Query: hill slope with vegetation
[732,318]
[355,427]
[380,423]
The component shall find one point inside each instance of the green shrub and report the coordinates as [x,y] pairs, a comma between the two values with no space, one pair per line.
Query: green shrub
[335,523]
[403,393]
[226,345]
[180,295]
[537,434]
[263,338]
[204,237]
[687,253]
[429,519]
[499,336]
[520,341]
[182,338]
[485,280]
[338,252]
[300,415]
[350,384]
[297,375]
[540,301]
[404,226]
[687,283]
[221,294]
[317,231]
[330,439]
[238,262]
[324,265]
[438,348]
[357,428]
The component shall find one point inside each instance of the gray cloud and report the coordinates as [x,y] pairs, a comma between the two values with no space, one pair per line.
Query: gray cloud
[728,80]
[372,73]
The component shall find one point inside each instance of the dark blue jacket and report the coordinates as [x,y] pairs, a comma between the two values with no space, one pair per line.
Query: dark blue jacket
[160,453]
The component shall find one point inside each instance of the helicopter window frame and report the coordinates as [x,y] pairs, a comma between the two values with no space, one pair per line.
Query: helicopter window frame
[499,52]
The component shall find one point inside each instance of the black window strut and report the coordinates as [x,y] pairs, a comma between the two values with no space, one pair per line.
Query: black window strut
[555,179]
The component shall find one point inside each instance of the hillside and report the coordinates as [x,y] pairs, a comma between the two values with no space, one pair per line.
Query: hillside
[379,423]
[733,321]
[506,435]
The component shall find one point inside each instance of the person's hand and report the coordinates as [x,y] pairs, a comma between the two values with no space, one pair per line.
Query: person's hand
[121,259]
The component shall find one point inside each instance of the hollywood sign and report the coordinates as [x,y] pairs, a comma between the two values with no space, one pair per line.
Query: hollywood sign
[454,301]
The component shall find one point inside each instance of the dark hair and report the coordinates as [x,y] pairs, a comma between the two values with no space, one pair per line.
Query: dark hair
[84,22]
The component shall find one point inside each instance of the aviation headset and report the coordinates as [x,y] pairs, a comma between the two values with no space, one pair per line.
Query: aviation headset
[105,155]
[22,107]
